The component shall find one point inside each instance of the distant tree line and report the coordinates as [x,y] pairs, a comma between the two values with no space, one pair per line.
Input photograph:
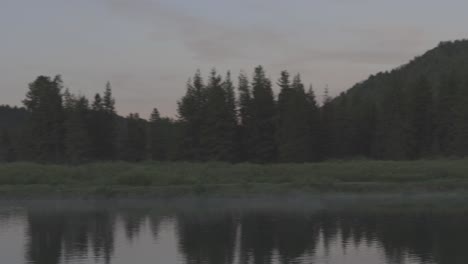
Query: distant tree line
[419,110]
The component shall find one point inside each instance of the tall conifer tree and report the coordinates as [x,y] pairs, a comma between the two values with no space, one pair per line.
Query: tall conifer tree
[263,132]
[44,102]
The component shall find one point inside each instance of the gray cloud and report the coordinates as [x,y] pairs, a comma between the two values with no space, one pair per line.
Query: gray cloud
[208,40]
[216,42]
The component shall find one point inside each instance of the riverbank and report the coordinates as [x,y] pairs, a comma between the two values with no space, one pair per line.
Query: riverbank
[154,179]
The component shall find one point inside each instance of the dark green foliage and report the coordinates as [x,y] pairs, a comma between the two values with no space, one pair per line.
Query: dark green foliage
[162,138]
[461,122]
[417,111]
[134,146]
[191,112]
[295,133]
[45,131]
[446,116]
[102,126]
[7,152]
[420,120]
[245,118]
[219,120]
[77,139]
[263,130]
[12,117]
[313,118]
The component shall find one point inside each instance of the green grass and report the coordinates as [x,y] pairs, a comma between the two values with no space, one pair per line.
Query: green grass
[361,174]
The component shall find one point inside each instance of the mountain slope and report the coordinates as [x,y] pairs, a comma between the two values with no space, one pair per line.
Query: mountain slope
[414,111]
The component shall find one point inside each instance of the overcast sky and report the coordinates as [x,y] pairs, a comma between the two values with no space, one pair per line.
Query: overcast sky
[147,49]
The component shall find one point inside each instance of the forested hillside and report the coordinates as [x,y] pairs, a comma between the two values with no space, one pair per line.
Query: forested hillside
[419,110]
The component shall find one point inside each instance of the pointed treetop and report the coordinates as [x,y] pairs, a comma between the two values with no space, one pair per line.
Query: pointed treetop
[228,81]
[155,115]
[326,95]
[108,100]
[58,81]
[284,81]
[67,99]
[97,104]
[297,83]
[243,82]
[310,91]
[198,80]
[215,78]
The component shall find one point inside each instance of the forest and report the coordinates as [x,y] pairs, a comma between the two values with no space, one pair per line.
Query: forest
[416,111]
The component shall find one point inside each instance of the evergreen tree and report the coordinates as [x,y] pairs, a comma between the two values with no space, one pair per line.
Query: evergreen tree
[160,136]
[219,124]
[326,127]
[103,126]
[45,127]
[294,129]
[263,119]
[97,103]
[191,113]
[285,101]
[108,102]
[342,128]
[245,118]
[231,122]
[390,126]
[155,116]
[313,117]
[77,139]
[230,96]
[134,148]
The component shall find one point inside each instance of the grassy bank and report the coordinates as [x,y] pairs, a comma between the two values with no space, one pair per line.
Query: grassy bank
[214,177]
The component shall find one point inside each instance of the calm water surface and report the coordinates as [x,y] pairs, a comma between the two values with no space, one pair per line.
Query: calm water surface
[306,230]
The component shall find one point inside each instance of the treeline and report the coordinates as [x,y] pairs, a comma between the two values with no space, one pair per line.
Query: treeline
[419,110]
[213,124]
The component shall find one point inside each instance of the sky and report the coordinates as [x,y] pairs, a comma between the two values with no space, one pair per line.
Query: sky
[148,49]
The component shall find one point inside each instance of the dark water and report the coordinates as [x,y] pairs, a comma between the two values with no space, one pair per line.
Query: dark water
[309,230]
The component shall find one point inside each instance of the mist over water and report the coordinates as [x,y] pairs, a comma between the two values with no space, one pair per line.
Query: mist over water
[232,231]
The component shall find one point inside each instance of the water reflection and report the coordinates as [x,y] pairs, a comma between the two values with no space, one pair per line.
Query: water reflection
[207,238]
[65,235]
[72,234]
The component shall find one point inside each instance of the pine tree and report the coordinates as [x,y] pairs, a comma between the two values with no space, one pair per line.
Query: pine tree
[45,127]
[294,127]
[108,102]
[77,139]
[103,126]
[302,125]
[245,118]
[97,103]
[326,127]
[219,124]
[191,110]
[158,138]
[231,121]
[285,101]
[228,88]
[263,119]
[155,116]
[135,140]
[313,117]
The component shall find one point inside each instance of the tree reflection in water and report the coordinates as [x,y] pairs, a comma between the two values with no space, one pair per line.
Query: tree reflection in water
[248,236]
